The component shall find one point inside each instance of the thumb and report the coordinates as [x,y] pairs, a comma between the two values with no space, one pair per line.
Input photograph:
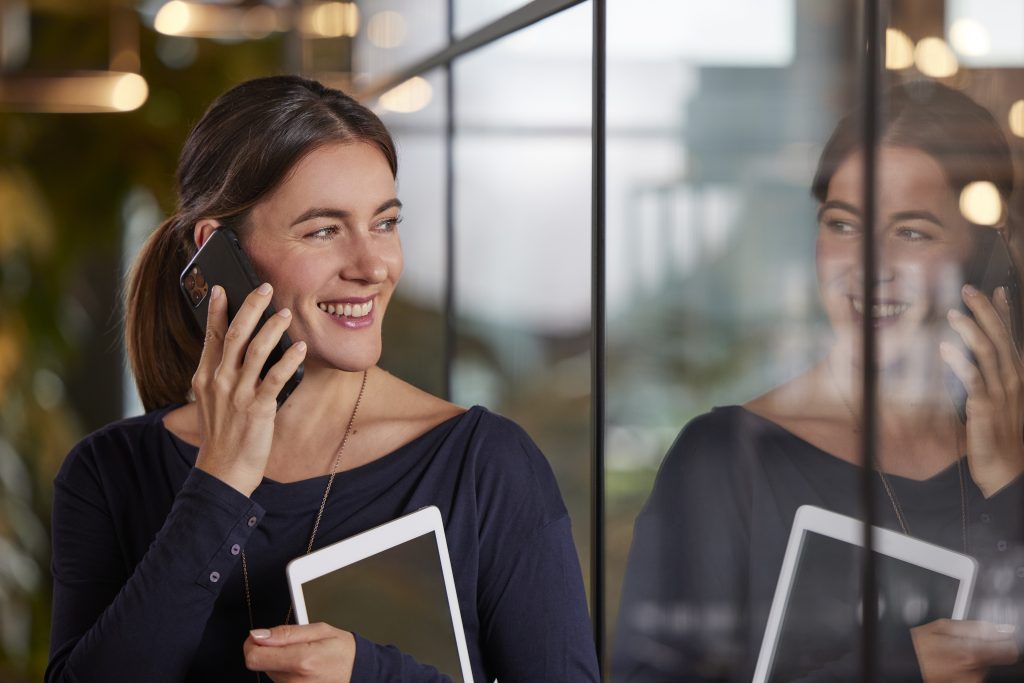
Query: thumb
[289,634]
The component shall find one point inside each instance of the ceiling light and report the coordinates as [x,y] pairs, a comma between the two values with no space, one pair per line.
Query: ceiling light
[934,58]
[80,92]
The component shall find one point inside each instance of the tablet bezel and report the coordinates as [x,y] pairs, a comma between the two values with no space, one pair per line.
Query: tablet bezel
[810,518]
[371,542]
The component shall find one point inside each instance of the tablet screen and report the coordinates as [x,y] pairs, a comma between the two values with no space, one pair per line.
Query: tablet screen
[396,597]
[820,631]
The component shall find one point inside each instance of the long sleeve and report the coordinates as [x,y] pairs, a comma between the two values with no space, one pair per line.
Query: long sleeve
[996,537]
[683,615]
[111,622]
[387,663]
[538,628]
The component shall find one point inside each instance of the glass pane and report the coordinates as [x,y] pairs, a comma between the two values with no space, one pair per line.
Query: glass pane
[522,222]
[720,418]
[947,357]
[394,34]
[473,14]
[414,330]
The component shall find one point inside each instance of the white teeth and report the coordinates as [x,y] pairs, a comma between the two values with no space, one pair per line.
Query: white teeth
[347,310]
[880,310]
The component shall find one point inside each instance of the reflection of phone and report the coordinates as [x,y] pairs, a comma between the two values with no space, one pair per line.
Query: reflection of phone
[221,261]
[990,266]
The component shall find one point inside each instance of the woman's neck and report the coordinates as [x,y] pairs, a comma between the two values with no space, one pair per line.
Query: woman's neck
[908,404]
[324,395]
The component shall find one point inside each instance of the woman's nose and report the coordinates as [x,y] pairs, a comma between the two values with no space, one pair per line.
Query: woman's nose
[364,263]
[884,269]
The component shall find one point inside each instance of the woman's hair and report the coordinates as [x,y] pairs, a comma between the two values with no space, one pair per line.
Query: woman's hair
[961,135]
[241,150]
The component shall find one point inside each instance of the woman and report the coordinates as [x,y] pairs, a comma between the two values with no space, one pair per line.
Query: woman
[709,544]
[171,531]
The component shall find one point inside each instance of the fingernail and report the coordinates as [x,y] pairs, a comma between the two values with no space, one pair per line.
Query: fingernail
[1004,294]
[264,288]
[284,313]
[970,291]
[954,314]
[216,292]
[301,346]
[1006,628]
[260,633]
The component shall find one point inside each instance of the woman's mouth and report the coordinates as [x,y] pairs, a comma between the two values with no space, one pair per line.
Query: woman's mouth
[882,312]
[353,315]
[347,310]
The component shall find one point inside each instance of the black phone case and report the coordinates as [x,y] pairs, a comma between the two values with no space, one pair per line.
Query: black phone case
[221,261]
[990,266]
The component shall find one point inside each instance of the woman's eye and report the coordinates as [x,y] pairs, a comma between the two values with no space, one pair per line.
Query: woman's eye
[913,235]
[841,227]
[325,233]
[389,224]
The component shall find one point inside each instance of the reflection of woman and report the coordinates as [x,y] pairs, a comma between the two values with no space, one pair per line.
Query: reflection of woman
[171,530]
[709,544]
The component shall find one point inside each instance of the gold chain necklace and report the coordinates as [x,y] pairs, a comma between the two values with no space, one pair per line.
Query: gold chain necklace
[319,514]
[897,508]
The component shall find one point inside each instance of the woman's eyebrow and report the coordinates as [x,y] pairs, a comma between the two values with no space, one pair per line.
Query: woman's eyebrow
[917,215]
[836,204]
[340,214]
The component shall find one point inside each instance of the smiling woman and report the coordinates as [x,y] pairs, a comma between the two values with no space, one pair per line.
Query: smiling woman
[709,545]
[171,530]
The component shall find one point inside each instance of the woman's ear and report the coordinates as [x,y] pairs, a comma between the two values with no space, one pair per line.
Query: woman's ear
[203,230]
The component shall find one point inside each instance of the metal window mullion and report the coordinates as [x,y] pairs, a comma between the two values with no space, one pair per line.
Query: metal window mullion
[869,607]
[525,16]
[597,322]
[450,329]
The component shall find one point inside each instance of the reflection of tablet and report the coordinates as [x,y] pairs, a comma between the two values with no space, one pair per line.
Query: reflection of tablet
[392,585]
[814,621]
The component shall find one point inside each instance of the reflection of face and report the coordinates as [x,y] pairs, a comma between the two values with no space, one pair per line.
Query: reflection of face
[328,236]
[922,245]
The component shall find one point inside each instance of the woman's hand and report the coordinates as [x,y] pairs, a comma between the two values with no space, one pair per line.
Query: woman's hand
[962,651]
[995,389]
[306,653]
[236,408]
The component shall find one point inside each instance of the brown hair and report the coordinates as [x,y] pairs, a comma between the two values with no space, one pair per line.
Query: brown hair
[243,147]
[961,135]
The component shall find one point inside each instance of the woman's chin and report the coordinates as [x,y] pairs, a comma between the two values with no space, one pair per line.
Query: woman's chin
[352,360]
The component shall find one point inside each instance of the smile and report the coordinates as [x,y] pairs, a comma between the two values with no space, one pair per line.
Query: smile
[347,310]
[880,311]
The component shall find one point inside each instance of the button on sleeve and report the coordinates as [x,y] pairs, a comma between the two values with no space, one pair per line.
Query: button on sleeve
[232,532]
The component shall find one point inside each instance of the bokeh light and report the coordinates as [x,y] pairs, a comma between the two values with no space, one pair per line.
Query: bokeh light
[981,204]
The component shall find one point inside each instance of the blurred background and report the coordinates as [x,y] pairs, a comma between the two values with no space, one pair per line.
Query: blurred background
[714,113]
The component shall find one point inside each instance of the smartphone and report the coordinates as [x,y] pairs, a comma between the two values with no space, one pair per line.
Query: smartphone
[221,261]
[990,266]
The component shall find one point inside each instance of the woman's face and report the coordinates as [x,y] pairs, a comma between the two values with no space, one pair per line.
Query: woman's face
[922,245]
[327,240]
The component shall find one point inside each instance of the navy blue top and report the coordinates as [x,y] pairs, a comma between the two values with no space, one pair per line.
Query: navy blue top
[147,577]
[708,549]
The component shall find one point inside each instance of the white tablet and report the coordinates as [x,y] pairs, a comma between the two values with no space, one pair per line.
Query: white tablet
[392,585]
[817,598]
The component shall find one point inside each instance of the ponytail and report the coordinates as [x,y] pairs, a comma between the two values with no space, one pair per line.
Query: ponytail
[162,338]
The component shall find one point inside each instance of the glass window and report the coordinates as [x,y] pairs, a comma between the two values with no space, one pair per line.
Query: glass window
[394,34]
[471,15]
[414,330]
[712,302]
[522,241]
